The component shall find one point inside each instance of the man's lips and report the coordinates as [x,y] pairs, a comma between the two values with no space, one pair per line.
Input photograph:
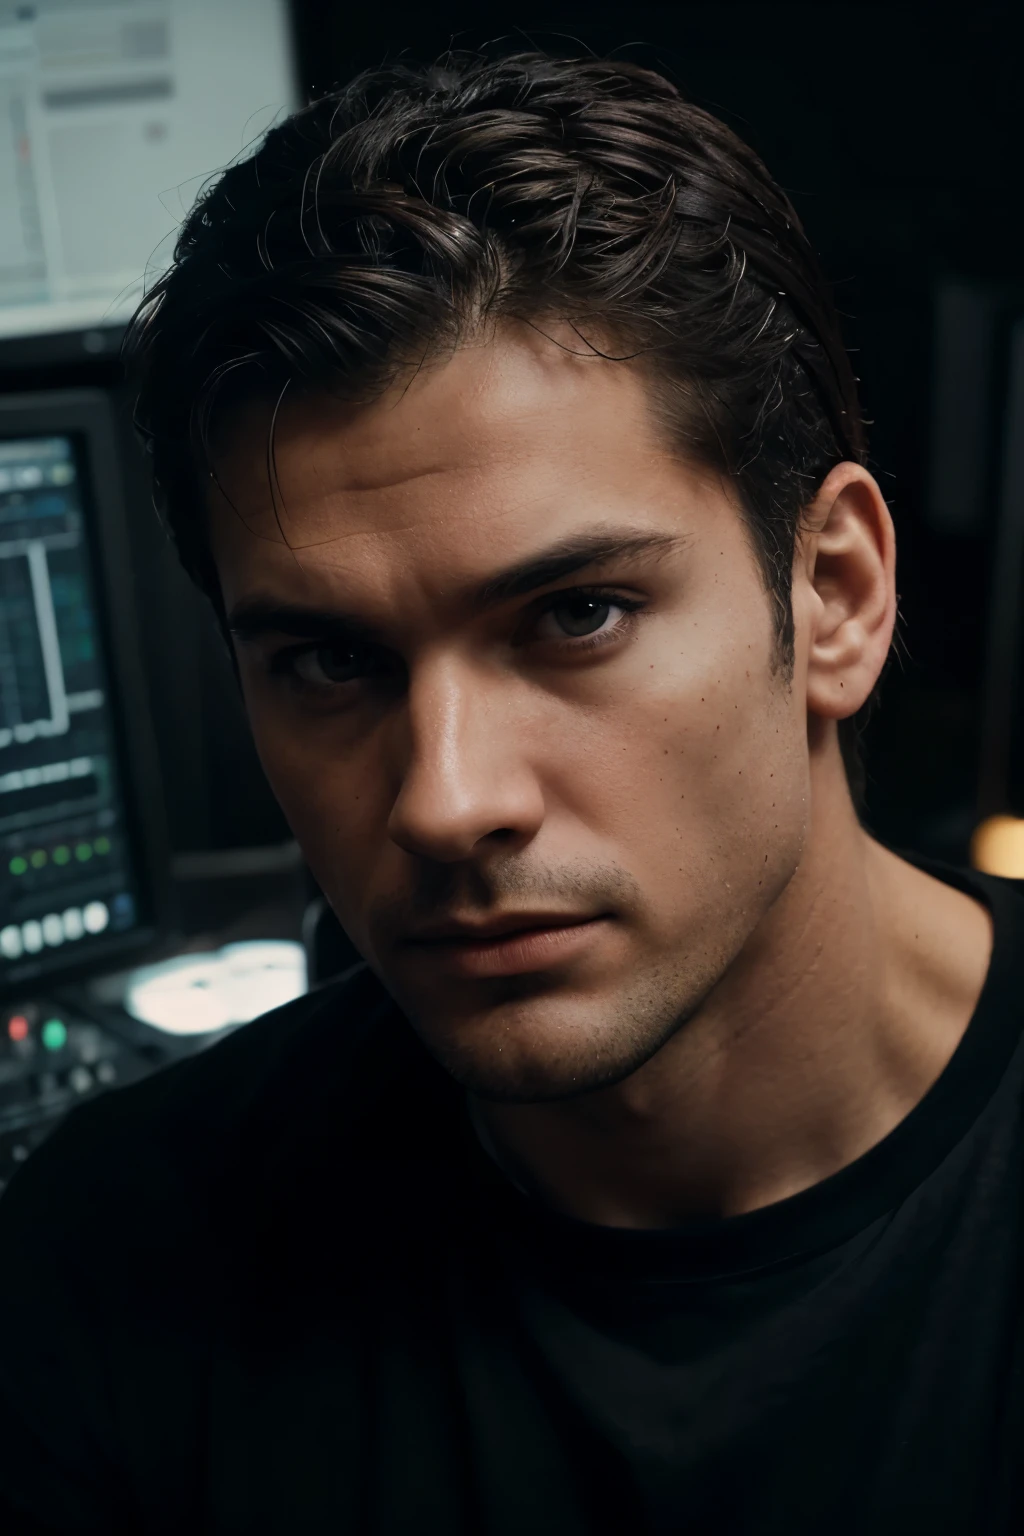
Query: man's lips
[454,932]
[516,943]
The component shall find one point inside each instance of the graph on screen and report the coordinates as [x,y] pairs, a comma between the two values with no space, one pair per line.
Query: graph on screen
[66,871]
[48,662]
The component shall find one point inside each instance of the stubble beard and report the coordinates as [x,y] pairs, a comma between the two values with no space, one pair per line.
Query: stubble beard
[535,1046]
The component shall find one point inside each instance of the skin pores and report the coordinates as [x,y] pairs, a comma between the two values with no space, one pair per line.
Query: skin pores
[613,748]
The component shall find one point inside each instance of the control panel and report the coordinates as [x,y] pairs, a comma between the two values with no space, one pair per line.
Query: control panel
[53,1056]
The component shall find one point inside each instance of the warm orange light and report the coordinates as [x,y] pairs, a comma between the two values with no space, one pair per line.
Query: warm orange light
[997,846]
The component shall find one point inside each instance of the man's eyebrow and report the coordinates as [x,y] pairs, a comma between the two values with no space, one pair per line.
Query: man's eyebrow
[565,558]
[256,616]
[260,615]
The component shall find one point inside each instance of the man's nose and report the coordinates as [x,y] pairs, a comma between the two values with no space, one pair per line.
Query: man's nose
[466,775]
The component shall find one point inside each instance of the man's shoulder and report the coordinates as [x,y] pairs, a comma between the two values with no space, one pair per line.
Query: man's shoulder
[189,1126]
[279,1052]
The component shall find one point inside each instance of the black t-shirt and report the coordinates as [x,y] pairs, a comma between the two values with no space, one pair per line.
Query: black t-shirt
[280,1288]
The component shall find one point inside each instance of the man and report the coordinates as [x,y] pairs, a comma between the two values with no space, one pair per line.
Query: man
[661,1168]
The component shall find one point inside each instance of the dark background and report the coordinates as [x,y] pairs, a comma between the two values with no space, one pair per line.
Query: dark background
[898,133]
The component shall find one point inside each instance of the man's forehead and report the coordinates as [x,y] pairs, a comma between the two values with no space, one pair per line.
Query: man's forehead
[491,419]
[479,468]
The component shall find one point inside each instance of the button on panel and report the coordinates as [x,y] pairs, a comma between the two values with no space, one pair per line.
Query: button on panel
[52,1059]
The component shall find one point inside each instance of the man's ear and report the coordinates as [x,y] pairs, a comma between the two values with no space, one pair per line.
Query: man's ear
[846,566]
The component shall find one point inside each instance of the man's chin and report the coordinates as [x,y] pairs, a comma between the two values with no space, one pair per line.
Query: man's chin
[533,1050]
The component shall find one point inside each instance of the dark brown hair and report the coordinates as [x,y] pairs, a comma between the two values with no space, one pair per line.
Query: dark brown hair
[376,226]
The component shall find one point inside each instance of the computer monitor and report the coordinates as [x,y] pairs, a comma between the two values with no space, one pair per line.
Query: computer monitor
[113,113]
[82,855]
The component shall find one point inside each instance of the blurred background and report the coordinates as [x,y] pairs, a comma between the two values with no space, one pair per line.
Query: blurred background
[898,132]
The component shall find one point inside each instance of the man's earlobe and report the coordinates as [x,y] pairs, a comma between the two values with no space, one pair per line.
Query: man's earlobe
[852,569]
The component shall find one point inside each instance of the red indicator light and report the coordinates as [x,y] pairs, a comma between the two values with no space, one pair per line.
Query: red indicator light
[17,1026]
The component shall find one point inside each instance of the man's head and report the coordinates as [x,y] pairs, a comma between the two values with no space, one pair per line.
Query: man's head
[501,411]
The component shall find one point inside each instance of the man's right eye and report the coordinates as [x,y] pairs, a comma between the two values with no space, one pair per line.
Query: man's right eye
[324,666]
[327,665]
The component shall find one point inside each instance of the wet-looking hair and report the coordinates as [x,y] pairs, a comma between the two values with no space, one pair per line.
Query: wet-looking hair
[379,225]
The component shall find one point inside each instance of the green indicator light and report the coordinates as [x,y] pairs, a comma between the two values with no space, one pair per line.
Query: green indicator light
[61,855]
[83,852]
[38,858]
[18,865]
[102,845]
[55,1034]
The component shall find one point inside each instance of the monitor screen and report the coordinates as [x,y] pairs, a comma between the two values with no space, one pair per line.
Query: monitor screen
[113,113]
[68,876]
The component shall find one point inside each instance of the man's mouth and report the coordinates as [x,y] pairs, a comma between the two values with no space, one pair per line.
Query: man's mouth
[510,945]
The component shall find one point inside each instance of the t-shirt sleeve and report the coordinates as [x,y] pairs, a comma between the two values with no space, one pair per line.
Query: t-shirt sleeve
[58,1471]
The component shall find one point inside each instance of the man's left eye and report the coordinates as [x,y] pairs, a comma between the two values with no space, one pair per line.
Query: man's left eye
[575,615]
[581,615]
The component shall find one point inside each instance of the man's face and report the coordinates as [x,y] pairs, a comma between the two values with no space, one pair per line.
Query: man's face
[508,664]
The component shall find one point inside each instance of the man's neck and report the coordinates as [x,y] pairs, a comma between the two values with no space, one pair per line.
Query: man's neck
[842,1010]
